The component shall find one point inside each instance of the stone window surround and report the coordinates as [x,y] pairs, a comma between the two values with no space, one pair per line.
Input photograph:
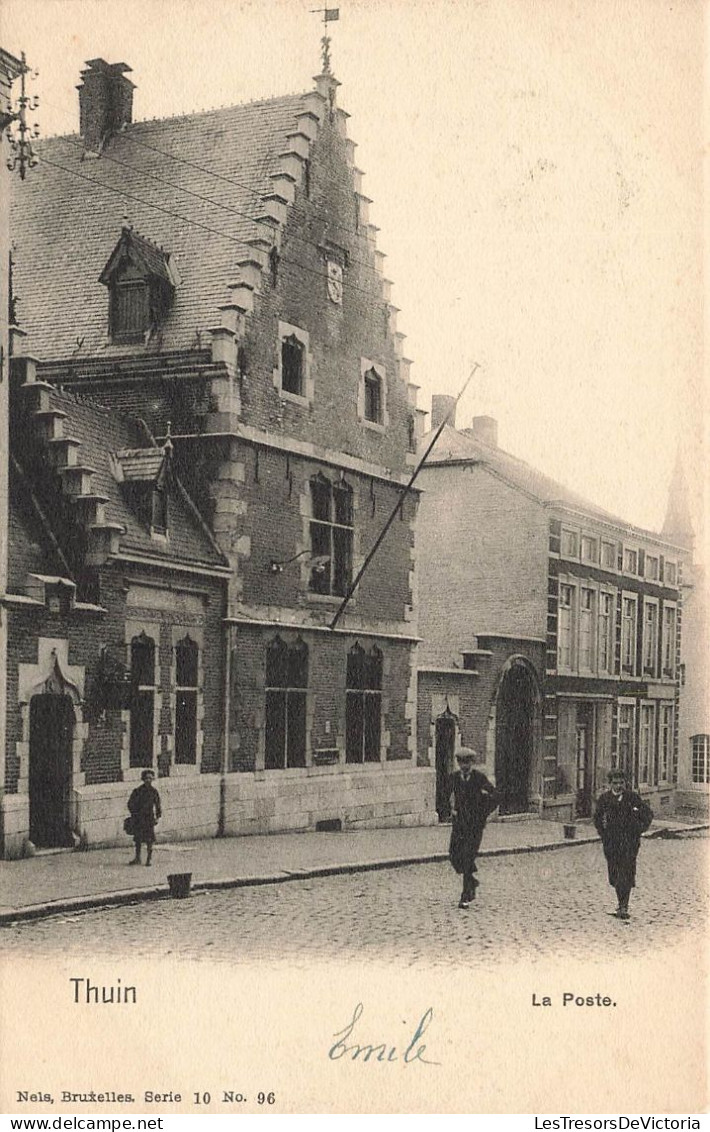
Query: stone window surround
[287,330]
[177,634]
[365,366]
[666,674]
[302,548]
[633,597]
[652,739]
[289,638]
[652,671]
[133,628]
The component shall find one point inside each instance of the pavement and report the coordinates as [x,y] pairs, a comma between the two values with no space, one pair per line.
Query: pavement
[67,880]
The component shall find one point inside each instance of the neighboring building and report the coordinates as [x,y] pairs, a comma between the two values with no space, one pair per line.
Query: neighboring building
[694,699]
[550,630]
[243,314]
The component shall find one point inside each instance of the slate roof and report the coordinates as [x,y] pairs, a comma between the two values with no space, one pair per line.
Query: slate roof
[66,220]
[459,446]
[30,550]
[151,259]
[103,433]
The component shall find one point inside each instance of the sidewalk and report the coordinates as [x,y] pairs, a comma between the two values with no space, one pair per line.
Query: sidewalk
[65,881]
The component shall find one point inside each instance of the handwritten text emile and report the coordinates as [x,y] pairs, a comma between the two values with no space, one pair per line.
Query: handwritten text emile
[381,1051]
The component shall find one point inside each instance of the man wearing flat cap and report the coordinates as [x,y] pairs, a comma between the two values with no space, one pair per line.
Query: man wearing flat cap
[621,817]
[473,798]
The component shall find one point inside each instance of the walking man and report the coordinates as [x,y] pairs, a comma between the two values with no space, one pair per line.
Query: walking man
[473,799]
[144,808]
[621,817]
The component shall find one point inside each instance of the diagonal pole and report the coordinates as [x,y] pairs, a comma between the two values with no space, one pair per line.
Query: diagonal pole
[378,541]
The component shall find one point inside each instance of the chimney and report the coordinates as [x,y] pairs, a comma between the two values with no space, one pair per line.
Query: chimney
[105,102]
[485,429]
[441,405]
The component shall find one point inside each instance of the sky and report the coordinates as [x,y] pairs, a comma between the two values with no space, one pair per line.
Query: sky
[536,171]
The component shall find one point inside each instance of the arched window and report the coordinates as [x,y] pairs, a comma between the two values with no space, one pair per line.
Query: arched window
[187,656]
[363,708]
[292,365]
[331,536]
[286,690]
[142,700]
[373,396]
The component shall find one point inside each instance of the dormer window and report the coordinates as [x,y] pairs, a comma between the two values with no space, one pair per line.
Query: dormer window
[145,474]
[141,281]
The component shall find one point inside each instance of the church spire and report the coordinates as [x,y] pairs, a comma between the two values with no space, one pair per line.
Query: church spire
[678,525]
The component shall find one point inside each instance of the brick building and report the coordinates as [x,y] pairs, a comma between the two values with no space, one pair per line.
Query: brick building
[550,630]
[241,313]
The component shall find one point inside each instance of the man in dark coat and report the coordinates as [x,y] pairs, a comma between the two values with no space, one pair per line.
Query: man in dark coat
[621,817]
[144,808]
[473,798]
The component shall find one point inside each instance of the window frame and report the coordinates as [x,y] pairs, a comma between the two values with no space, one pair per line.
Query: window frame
[700,759]
[570,628]
[142,694]
[665,741]
[607,544]
[290,699]
[119,289]
[669,640]
[649,665]
[588,617]
[647,751]
[363,705]
[286,333]
[569,532]
[332,537]
[187,696]
[606,632]
[632,598]
[627,763]
[593,557]
[626,568]
[367,367]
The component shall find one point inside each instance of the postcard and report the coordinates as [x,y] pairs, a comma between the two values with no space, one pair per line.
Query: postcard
[354,622]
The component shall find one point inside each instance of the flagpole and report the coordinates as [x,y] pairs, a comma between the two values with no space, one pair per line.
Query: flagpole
[378,541]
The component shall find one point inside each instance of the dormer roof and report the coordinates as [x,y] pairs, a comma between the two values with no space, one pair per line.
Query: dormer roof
[146,258]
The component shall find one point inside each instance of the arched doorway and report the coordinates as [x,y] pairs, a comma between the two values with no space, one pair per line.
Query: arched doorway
[445,740]
[515,710]
[50,777]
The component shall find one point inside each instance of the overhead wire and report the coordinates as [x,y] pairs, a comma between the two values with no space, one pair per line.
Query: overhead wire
[258,195]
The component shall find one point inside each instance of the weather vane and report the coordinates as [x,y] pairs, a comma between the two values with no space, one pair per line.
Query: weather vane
[22,153]
[328,15]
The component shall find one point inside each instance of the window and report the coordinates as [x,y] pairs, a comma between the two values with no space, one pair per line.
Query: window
[670,573]
[586,628]
[646,751]
[569,544]
[700,761]
[652,568]
[142,700]
[628,635]
[565,625]
[666,743]
[159,509]
[625,744]
[129,310]
[630,561]
[292,367]
[606,632]
[609,555]
[186,684]
[589,549]
[331,536]
[286,684]
[373,396]
[669,643]
[650,638]
[363,708]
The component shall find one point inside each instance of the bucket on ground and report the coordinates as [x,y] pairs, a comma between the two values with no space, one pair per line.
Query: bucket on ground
[570,831]
[179,884]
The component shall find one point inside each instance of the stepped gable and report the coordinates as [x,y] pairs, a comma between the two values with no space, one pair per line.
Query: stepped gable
[67,223]
[458,446]
[102,440]
[30,549]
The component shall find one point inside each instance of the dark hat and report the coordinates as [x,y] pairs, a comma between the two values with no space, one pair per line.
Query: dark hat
[616,773]
[147,774]
[465,754]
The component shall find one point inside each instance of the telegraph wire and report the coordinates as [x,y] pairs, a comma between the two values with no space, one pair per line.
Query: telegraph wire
[210,172]
[196,223]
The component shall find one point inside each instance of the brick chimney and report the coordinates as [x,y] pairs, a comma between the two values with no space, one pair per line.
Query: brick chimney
[485,429]
[441,404]
[105,102]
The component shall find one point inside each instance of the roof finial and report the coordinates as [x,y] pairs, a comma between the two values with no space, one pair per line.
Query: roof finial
[328,15]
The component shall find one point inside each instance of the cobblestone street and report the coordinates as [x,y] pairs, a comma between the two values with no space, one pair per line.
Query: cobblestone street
[532,906]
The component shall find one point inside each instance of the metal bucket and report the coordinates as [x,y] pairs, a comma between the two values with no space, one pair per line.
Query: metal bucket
[179,884]
[570,831]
